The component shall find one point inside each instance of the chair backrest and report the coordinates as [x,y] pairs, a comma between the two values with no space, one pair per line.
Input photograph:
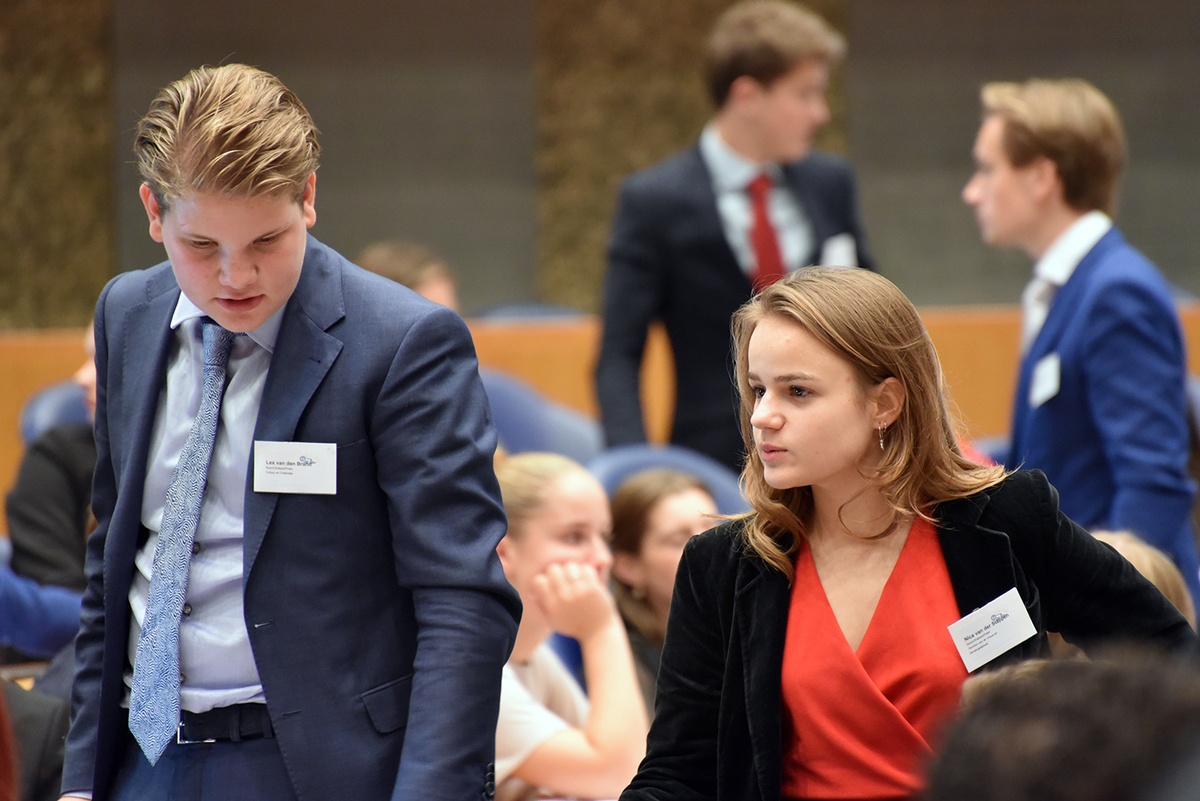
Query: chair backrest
[614,465]
[526,420]
[54,405]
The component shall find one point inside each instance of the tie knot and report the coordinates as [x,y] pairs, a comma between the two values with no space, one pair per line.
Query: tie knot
[760,186]
[217,341]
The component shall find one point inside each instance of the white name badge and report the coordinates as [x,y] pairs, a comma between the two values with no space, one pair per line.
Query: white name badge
[298,467]
[991,630]
[839,251]
[1046,379]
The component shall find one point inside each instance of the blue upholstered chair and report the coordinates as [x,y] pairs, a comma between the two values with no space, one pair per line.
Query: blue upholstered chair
[56,404]
[615,464]
[526,420]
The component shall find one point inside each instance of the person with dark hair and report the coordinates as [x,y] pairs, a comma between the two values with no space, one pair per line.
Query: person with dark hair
[654,513]
[1111,729]
[49,508]
[1100,401]
[817,646]
[695,235]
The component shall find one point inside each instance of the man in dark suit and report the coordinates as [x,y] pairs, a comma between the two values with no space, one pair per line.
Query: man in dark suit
[695,234]
[1100,404]
[343,619]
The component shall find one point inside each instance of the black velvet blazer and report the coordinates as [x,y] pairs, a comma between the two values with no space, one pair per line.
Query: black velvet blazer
[717,726]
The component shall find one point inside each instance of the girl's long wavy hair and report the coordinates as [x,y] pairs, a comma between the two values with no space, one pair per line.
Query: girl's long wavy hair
[865,319]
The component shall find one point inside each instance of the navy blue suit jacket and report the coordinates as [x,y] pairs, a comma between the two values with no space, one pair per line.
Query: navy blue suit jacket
[380,617]
[669,260]
[1113,439]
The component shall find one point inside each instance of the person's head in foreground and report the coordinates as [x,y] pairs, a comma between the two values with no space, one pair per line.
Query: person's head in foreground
[1073,730]
[228,159]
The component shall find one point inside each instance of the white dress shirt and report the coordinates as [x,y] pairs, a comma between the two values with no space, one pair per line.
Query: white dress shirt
[214,647]
[1055,268]
[731,173]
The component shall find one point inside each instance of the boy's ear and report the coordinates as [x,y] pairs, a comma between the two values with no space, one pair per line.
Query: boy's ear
[308,201]
[153,212]
[744,89]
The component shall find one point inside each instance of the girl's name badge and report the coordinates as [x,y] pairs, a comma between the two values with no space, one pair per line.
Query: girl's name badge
[308,468]
[992,630]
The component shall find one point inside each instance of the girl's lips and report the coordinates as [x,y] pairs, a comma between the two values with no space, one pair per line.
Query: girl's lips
[770,452]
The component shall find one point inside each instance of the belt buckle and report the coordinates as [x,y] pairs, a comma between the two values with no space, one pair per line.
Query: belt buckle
[181,741]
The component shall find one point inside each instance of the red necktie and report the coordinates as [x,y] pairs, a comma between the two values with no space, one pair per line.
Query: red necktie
[768,263]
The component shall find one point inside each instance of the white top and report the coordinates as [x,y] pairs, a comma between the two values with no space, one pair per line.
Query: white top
[214,647]
[731,173]
[537,700]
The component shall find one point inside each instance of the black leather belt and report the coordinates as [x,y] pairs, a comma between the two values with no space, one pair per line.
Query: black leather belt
[229,723]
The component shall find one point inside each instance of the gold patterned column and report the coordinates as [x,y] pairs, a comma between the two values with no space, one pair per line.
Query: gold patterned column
[56,220]
[619,88]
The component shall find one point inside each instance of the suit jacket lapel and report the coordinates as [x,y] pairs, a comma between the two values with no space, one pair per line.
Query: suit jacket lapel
[145,336]
[813,206]
[1066,301]
[708,216]
[1070,296]
[304,352]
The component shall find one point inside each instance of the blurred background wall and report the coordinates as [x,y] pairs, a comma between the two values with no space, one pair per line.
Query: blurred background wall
[498,132]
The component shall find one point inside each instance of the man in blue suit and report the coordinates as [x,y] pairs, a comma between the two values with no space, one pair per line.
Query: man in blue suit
[1100,403]
[695,234]
[346,618]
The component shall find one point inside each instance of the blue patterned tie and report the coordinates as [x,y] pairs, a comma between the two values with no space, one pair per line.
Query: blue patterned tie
[154,699]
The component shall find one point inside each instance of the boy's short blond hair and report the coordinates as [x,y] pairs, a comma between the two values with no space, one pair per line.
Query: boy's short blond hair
[233,130]
[1071,123]
[764,40]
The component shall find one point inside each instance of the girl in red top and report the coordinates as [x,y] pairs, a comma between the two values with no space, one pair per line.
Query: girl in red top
[807,654]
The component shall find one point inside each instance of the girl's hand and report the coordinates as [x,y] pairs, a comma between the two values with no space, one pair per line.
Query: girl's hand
[574,599]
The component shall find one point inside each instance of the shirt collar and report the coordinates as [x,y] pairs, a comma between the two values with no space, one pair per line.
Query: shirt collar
[264,336]
[730,170]
[1060,260]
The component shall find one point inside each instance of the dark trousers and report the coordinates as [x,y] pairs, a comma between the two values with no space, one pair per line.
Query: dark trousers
[223,771]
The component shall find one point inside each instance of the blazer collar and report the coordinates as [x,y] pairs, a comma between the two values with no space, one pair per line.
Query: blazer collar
[304,353]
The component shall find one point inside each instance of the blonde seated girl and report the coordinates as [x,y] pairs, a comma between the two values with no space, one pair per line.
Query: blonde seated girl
[549,739]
